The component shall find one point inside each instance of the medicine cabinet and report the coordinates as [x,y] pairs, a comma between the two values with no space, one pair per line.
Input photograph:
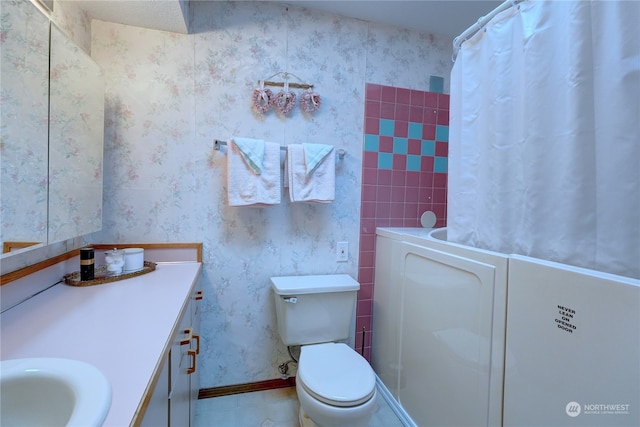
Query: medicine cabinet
[51,133]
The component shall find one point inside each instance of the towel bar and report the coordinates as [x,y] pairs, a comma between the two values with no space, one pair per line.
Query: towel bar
[217,143]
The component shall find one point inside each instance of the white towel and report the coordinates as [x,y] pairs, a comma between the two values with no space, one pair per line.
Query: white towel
[319,186]
[247,188]
[252,151]
[314,154]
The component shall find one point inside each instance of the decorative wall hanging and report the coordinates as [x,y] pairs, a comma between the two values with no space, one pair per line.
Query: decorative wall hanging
[310,101]
[262,98]
[285,100]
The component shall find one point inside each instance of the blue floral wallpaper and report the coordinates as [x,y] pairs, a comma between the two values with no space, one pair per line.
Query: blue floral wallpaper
[168,96]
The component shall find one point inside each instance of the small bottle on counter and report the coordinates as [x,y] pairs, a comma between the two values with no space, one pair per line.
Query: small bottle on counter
[87,263]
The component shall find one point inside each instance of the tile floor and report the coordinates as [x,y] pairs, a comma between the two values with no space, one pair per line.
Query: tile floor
[271,408]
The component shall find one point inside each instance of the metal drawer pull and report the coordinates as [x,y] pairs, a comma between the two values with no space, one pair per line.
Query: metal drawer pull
[197,338]
[192,369]
[187,340]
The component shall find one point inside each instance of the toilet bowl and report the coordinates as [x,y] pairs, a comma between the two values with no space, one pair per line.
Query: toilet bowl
[335,386]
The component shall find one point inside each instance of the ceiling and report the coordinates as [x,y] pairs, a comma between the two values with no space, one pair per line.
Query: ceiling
[447,17]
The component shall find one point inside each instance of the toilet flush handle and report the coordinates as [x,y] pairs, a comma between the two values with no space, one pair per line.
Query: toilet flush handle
[291,300]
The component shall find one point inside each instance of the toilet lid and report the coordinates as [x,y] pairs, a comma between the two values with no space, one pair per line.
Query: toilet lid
[335,374]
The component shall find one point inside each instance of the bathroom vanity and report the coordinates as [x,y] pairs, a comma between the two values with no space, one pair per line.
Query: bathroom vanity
[141,333]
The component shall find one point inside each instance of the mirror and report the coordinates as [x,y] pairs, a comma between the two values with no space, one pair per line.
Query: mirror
[24,90]
[76,120]
[51,133]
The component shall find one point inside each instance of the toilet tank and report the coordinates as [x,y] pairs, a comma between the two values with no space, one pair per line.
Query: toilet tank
[314,309]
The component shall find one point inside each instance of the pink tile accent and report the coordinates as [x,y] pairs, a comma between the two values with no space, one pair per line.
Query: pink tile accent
[369,193]
[399,178]
[402,113]
[383,195]
[442,149]
[443,118]
[403,96]
[401,128]
[426,180]
[366,276]
[429,132]
[367,226]
[370,159]
[372,109]
[417,98]
[383,209]
[387,110]
[370,176]
[388,94]
[368,242]
[384,177]
[414,146]
[400,161]
[397,210]
[397,197]
[411,194]
[444,101]
[426,163]
[365,307]
[366,290]
[415,114]
[368,210]
[439,195]
[367,259]
[440,180]
[373,91]
[386,144]
[431,100]
[413,179]
[372,125]
[430,116]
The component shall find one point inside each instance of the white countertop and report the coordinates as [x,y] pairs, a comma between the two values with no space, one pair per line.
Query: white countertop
[122,328]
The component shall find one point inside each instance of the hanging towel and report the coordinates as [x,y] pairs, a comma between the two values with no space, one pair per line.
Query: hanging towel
[245,187]
[252,151]
[317,187]
[314,154]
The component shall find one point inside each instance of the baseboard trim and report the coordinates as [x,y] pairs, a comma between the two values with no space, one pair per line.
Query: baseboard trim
[227,390]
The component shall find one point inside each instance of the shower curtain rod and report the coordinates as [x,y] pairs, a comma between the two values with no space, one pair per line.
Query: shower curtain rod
[482,21]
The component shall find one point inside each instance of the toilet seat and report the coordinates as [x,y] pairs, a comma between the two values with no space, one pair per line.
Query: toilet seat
[335,374]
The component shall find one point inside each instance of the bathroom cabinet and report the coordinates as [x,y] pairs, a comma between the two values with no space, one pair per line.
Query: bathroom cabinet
[52,132]
[172,401]
[127,329]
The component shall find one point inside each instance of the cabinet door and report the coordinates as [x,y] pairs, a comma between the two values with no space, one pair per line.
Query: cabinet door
[157,413]
[181,361]
[194,376]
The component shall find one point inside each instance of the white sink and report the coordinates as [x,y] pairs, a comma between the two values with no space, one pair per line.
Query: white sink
[52,392]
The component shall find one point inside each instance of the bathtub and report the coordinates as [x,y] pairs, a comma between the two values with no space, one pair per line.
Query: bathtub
[438,327]
[464,336]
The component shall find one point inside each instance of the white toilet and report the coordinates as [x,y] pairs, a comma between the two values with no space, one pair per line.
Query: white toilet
[335,385]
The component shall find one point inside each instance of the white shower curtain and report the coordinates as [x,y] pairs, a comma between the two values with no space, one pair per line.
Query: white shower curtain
[544,155]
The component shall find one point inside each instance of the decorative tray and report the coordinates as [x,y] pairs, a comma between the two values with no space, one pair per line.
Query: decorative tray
[100,275]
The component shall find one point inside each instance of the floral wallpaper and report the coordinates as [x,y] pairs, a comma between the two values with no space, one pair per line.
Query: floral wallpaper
[168,96]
